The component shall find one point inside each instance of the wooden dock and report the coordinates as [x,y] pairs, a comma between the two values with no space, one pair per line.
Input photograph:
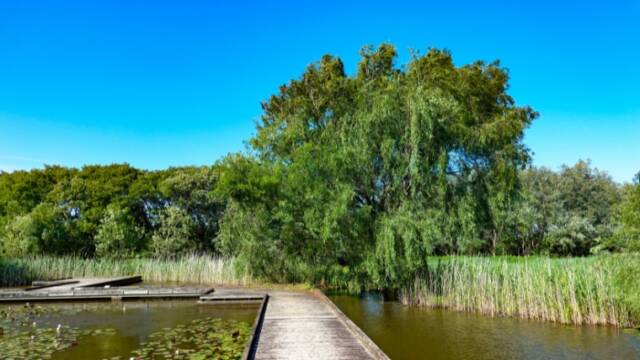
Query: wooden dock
[69,284]
[302,325]
[99,289]
[230,295]
[289,324]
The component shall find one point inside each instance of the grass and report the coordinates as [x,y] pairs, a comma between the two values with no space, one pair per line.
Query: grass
[193,269]
[600,290]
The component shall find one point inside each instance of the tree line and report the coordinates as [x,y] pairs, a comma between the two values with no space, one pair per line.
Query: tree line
[110,211]
[349,178]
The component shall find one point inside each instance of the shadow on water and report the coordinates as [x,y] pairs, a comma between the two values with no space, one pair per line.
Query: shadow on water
[408,332]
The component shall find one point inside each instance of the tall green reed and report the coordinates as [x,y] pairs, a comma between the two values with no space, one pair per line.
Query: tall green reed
[567,290]
[192,269]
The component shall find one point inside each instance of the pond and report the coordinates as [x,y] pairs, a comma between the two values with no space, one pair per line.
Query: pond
[408,332]
[145,329]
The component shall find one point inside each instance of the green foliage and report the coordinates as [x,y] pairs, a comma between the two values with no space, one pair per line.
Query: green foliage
[402,246]
[566,213]
[174,235]
[20,238]
[43,230]
[108,211]
[570,236]
[627,235]
[191,189]
[362,165]
[119,235]
[247,180]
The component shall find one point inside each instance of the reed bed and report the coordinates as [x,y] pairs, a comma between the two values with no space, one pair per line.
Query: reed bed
[568,290]
[193,269]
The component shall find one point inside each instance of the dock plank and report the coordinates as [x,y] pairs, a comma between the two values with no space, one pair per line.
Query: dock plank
[299,325]
[71,284]
[74,292]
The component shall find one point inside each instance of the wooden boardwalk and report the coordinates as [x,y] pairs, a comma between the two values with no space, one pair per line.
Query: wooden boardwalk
[70,284]
[123,293]
[289,325]
[99,289]
[300,325]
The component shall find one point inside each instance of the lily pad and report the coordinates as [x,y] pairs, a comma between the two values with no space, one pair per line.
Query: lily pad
[207,338]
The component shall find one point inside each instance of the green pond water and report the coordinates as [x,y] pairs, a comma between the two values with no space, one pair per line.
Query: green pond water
[407,332]
[98,330]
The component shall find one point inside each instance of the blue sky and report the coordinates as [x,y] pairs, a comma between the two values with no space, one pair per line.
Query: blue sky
[156,83]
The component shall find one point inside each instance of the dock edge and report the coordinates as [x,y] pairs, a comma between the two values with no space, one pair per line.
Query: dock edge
[369,344]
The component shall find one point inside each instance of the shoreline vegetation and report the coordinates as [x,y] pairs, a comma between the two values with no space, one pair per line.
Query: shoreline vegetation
[597,290]
[188,269]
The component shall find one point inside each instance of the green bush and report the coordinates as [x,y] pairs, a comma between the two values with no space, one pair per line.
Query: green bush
[174,237]
[119,235]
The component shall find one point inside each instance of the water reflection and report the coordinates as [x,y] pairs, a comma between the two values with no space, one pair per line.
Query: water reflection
[406,332]
[133,322]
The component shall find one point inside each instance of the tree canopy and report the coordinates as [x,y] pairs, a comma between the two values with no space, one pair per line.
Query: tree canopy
[382,168]
[111,211]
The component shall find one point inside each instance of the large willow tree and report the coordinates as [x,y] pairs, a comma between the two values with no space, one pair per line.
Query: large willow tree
[359,178]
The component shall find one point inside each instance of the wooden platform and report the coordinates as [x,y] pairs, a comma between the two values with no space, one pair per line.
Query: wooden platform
[69,284]
[301,325]
[105,294]
[99,289]
[232,295]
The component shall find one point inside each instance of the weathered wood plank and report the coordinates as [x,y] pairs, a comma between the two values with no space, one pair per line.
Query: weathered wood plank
[118,281]
[36,285]
[96,293]
[219,298]
[93,282]
[300,325]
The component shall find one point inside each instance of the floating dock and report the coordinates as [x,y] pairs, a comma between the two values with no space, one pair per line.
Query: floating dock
[68,284]
[99,289]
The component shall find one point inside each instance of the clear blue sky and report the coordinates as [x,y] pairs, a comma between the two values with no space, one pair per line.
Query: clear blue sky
[156,83]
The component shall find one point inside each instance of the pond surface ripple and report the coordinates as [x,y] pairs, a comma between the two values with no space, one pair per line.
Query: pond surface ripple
[409,332]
